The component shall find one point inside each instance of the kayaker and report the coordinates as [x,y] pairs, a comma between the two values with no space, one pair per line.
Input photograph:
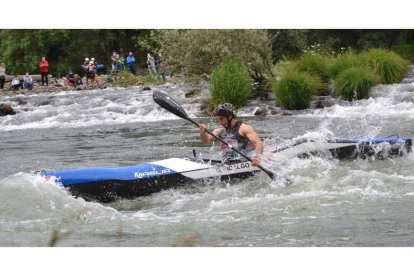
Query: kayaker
[239,135]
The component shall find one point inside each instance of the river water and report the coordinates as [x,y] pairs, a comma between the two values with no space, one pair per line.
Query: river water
[317,201]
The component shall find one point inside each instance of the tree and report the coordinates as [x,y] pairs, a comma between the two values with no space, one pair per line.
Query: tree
[65,49]
[198,52]
[288,43]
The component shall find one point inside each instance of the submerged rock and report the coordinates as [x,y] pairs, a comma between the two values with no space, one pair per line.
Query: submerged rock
[260,112]
[273,110]
[287,113]
[192,93]
[6,109]
[47,102]
[322,101]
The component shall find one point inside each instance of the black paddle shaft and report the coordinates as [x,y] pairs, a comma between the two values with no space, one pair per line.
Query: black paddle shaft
[168,103]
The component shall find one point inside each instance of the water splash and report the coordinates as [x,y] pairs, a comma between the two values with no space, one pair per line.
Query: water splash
[83,109]
[25,196]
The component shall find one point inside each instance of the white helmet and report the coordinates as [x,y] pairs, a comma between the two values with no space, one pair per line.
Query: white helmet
[86,59]
[92,59]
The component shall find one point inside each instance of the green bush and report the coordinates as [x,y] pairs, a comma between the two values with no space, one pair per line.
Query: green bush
[405,50]
[231,82]
[388,65]
[315,64]
[355,83]
[295,89]
[343,62]
[282,67]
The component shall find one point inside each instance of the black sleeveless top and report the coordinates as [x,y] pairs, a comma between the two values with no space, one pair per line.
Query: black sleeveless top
[237,141]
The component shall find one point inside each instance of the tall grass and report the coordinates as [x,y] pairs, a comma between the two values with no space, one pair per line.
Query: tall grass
[231,82]
[352,75]
[343,62]
[388,65]
[295,89]
[355,83]
[316,64]
[283,67]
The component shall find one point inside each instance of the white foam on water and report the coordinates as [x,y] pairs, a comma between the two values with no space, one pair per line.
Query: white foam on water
[77,109]
[26,197]
[386,102]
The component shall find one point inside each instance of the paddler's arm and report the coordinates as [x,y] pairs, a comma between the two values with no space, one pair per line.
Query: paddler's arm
[205,136]
[255,140]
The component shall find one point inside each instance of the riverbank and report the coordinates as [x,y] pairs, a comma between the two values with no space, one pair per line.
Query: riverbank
[55,85]
[263,103]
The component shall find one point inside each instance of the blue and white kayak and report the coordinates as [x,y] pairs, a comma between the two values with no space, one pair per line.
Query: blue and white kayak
[107,184]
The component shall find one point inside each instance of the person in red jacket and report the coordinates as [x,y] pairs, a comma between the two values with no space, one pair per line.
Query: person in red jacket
[44,70]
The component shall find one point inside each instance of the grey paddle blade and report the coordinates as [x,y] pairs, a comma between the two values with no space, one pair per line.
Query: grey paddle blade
[168,103]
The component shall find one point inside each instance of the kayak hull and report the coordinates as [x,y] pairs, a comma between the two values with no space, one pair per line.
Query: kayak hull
[107,184]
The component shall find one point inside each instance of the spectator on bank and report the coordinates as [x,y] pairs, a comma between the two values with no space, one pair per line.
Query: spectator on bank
[158,60]
[44,70]
[151,65]
[85,65]
[15,83]
[2,75]
[131,63]
[121,63]
[78,81]
[114,61]
[27,81]
[70,77]
[91,73]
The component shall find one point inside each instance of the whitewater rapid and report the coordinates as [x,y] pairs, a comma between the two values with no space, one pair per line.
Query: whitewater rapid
[318,201]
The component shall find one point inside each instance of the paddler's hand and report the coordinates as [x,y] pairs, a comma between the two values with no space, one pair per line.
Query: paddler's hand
[203,128]
[256,160]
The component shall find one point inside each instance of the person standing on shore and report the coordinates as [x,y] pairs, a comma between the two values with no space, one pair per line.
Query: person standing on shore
[131,63]
[2,75]
[151,65]
[158,60]
[114,61]
[44,70]
[91,74]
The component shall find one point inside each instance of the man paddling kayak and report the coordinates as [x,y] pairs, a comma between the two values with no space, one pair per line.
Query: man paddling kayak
[237,134]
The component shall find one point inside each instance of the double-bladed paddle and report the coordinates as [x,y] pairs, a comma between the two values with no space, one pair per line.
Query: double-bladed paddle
[168,103]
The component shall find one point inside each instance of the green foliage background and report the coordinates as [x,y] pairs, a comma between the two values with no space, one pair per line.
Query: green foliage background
[186,51]
[295,89]
[21,50]
[231,83]
[198,52]
[388,65]
[355,83]
[262,55]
